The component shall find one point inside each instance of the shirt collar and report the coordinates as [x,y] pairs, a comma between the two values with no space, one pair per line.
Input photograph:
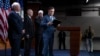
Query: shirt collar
[29,16]
[18,12]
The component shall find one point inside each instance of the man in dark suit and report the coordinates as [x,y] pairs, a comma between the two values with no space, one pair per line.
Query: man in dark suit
[61,36]
[38,34]
[29,32]
[48,32]
[15,29]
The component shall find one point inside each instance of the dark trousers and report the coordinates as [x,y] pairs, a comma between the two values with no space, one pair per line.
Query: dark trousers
[38,45]
[62,43]
[15,45]
[48,40]
[27,46]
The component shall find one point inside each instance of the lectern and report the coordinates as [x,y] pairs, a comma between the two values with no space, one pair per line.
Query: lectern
[75,39]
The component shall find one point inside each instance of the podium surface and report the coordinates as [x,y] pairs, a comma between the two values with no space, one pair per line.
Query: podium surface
[75,39]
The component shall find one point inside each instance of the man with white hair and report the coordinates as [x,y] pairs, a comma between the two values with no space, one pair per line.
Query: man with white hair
[16,7]
[15,30]
[38,34]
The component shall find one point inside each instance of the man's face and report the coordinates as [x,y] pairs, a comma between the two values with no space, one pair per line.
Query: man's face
[30,13]
[40,14]
[17,8]
[51,12]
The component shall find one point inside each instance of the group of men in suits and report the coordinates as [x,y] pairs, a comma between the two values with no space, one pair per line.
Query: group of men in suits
[44,31]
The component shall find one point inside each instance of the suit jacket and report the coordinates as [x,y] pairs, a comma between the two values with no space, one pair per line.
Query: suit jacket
[29,26]
[38,27]
[15,25]
[61,34]
[46,28]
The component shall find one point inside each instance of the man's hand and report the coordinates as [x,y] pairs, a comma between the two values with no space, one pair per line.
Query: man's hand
[27,35]
[23,31]
[49,23]
[58,25]
[23,38]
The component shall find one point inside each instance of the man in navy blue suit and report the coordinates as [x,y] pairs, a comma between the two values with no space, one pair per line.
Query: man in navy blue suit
[48,32]
[15,29]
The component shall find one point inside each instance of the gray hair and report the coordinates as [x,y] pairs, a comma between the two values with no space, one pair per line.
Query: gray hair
[40,11]
[15,4]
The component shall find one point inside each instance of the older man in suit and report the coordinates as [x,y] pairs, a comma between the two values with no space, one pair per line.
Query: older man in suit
[38,34]
[29,32]
[48,32]
[15,29]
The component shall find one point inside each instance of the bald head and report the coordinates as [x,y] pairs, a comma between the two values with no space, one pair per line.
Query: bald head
[30,12]
[16,6]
